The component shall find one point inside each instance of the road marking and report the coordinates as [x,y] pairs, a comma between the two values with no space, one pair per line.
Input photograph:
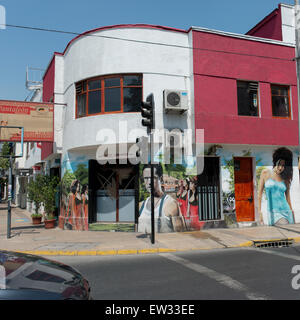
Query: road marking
[219,277]
[276,253]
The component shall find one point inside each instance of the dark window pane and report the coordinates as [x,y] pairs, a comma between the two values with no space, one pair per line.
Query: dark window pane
[112,82]
[112,100]
[94,102]
[280,91]
[81,105]
[247,93]
[132,81]
[280,106]
[84,86]
[280,101]
[132,99]
[94,84]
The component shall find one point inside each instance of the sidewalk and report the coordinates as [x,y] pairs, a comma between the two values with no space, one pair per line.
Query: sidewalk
[28,238]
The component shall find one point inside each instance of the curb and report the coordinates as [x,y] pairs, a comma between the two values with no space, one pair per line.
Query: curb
[123,251]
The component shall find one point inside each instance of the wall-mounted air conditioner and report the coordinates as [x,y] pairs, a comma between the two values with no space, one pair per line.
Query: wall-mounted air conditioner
[175,101]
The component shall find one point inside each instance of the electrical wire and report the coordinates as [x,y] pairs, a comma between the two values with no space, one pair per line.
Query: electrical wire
[142,41]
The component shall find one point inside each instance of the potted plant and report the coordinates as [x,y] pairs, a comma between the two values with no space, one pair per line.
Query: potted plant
[35,196]
[48,192]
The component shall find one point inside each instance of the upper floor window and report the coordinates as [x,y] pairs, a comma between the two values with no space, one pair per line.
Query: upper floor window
[280,101]
[247,93]
[109,94]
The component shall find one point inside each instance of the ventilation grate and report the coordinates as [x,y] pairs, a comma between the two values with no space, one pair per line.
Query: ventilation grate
[273,243]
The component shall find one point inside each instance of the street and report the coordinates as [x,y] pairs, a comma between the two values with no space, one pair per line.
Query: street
[230,274]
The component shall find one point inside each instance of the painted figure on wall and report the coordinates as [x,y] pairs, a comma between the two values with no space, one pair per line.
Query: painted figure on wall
[193,206]
[276,184]
[74,197]
[183,198]
[187,199]
[167,214]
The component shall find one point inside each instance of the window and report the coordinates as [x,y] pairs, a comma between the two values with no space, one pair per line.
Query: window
[280,101]
[109,94]
[247,93]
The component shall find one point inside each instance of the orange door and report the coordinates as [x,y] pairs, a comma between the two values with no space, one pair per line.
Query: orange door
[243,183]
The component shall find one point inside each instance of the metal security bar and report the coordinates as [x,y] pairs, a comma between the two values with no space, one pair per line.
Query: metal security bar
[209,204]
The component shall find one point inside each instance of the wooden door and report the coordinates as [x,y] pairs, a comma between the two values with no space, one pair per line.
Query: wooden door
[243,182]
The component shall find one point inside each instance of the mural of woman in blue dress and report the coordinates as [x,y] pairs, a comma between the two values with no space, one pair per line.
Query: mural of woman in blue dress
[276,184]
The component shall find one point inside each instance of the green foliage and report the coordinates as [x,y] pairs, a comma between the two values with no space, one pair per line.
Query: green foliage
[36,215]
[66,182]
[5,151]
[81,173]
[42,190]
[48,192]
[34,191]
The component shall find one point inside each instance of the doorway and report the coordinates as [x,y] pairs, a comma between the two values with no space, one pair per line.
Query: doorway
[209,190]
[243,184]
[113,193]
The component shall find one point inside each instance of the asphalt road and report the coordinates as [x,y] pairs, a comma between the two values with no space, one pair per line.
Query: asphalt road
[230,274]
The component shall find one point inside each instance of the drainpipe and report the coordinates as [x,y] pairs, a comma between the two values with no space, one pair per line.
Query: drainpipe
[297,51]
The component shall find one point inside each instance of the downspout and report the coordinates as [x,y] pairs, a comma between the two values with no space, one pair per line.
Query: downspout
[297,51]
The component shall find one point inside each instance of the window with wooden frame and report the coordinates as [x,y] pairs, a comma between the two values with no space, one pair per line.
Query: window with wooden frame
[109,94]
[281,107]
[247,94]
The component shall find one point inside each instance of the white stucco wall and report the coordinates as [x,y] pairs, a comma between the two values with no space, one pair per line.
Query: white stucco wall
[163,67]
[288,23]
[59,107]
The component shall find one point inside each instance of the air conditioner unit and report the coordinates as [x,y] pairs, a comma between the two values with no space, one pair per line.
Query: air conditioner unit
[175,101]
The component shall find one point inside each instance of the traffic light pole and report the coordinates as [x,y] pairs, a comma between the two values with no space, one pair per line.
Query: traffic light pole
[9,198]
[147,112]
[152,190]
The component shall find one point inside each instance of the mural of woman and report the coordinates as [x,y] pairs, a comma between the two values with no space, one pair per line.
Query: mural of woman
[73,216]
[180,189]
[85,200]
[193,205]
[183,199]
[277,183]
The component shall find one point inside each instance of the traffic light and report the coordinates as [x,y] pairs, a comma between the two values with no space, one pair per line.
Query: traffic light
[147,112]
[11,147]
[142,151]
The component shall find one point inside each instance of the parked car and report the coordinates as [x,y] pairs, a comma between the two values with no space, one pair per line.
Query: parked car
[30,277]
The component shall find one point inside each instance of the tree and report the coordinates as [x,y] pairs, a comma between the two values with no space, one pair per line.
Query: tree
[5,151]
[34,193]
[48,192]
[81,173]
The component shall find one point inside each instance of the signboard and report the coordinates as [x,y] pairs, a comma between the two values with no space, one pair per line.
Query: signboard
[24,172]
[35,117]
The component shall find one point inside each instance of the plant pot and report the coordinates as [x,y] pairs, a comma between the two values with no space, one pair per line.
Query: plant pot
[49,224]
[36,220]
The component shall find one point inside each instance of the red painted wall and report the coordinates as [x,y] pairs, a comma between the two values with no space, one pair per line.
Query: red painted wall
[219,61]
[269,27]
[48,95]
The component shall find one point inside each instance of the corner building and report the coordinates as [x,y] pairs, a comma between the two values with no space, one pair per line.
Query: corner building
[240,89]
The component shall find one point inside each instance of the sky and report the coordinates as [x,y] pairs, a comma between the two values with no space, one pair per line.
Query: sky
[20,48]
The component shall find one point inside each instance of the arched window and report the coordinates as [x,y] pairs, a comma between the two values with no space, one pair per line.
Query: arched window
[109,94]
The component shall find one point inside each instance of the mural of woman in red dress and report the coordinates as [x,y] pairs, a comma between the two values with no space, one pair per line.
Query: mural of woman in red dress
[183,199]
[193,205]
[73,214]
[84,211]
